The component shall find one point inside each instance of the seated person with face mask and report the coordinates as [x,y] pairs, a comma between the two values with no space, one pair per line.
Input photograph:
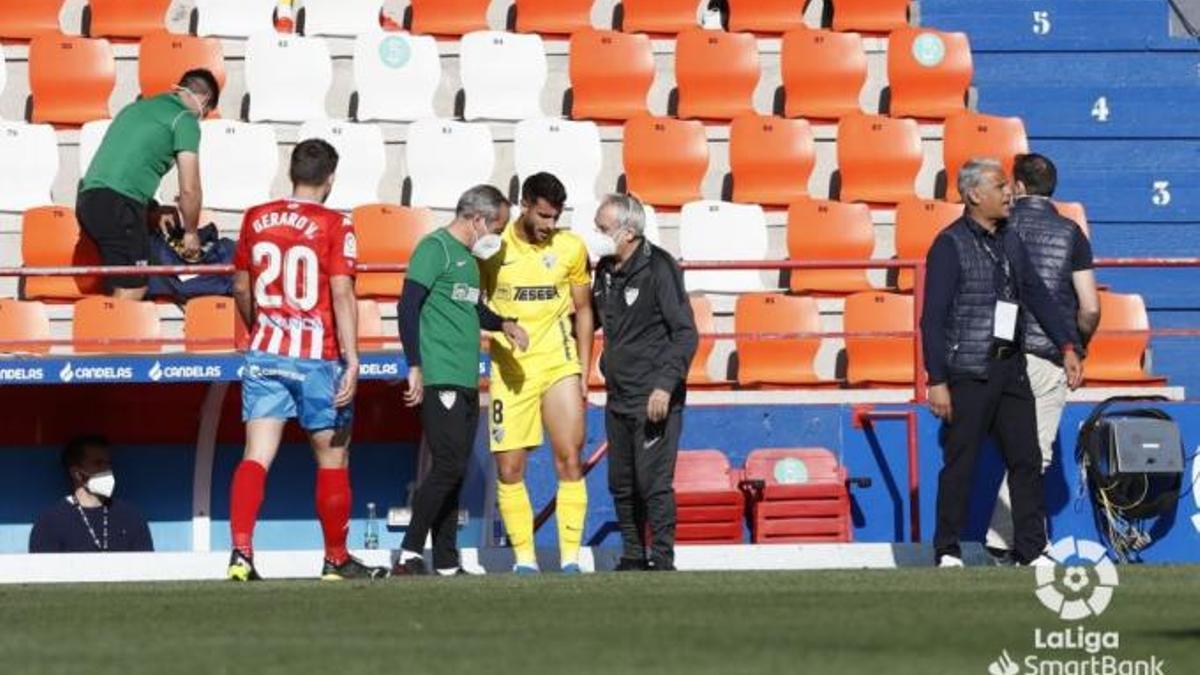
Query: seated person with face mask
[89,520]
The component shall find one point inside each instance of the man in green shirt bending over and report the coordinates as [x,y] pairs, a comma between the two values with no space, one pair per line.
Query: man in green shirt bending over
[440,316]
[138,149]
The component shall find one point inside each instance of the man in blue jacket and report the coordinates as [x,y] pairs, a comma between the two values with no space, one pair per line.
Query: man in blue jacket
[979,283]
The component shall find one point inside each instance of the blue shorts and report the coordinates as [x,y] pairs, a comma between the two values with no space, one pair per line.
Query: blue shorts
[277,387]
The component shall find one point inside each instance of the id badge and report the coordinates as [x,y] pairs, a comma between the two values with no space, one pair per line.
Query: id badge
[1004,323]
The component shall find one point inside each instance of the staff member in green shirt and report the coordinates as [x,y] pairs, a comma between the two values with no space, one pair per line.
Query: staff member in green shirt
[142,142]
[441,314]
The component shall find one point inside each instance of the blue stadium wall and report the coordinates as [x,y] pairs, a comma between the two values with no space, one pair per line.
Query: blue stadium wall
[158,476]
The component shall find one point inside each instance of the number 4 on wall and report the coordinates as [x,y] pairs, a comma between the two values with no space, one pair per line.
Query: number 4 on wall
[1100,109]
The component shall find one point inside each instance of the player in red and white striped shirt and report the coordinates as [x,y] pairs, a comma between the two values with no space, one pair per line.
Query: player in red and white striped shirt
[295,285]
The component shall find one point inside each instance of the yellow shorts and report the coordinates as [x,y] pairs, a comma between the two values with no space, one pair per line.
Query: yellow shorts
[515,414]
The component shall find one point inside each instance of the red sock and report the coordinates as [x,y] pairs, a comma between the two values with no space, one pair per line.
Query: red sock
[333,509]
[245,497]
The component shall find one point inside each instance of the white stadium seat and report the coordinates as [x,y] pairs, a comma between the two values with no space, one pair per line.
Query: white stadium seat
[361,160]
[569,150]
[343,18]
[581,219]
[396,75]
[287,77]
[30,153]
[712,230]
[239,163]
[234,18]
[502,75]
[445,158]
[90,135]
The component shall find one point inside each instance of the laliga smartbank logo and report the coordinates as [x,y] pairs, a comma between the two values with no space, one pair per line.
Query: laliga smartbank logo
[1080,585]
[1082,581]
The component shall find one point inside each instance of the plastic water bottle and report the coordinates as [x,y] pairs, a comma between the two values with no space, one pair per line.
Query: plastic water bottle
[371,536]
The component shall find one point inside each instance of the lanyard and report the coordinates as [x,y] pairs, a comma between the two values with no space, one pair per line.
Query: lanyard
[1004,265]
[83,516]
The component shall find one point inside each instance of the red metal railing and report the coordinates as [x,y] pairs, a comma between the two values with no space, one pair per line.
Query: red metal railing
[917,265]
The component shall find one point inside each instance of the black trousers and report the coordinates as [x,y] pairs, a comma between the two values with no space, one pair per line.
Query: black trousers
[1002,406]
[449,417]
[118,226]
[641,474]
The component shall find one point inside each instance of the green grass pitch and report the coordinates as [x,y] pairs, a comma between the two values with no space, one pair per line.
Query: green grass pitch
[889,622]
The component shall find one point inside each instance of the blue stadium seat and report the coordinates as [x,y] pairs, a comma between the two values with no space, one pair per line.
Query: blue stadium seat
[1129,180]
[1055,25]
[1118,69]
[1053,111]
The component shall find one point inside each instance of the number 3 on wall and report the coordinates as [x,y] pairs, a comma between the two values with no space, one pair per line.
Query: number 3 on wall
[1041,23]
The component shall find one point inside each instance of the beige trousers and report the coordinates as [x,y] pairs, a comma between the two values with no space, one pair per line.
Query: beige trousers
[1049,384]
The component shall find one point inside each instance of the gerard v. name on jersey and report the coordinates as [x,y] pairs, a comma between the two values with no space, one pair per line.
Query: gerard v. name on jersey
[292,219]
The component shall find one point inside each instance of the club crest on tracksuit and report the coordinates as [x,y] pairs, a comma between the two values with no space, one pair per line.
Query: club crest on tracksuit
[631,296]
[448,398]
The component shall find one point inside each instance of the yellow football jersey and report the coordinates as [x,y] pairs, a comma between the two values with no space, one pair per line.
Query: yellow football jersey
[532,283]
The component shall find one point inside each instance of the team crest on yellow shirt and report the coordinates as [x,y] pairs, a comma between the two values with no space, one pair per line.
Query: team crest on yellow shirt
[498,434]
[549,260]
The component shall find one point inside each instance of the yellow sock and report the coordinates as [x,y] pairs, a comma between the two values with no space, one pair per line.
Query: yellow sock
[517,514]
[572,512]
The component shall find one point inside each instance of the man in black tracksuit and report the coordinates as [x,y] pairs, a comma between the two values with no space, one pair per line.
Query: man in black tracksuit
[649,340]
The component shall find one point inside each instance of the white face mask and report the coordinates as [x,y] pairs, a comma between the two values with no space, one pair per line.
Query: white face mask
[195,99]
[102,484]
[486,246]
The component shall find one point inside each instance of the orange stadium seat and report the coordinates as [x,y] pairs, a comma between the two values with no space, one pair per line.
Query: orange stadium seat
[717,73]
[878,158]
[554,17]
[665,160]
[1074,211]
[595,377]
[51,237]
[125,19]
[869,16]
[710,506]
[117,324]
[929,72]
[70,79]
[22,20]
[823,73]
[611,75]
[211,324]
[20,321]
[970,135]
[766,16]
[387,233]
[918,222]
[1118,359]
[804,496]
[698,373]
[771,159]
[776,361]
[659,16]
[449,17]
[164,57]
[823,230]
[879,360]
